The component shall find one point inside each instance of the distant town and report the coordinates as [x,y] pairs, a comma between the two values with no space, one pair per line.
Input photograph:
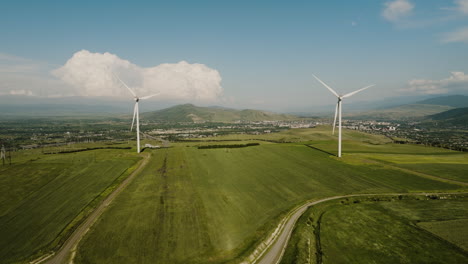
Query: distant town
[28,134]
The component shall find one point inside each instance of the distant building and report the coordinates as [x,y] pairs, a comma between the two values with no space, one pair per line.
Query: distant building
[151,146]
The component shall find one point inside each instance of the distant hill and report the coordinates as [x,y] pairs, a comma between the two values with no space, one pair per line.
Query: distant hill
[454,117]
[404,112]
[192,113]
[417,110]
[451,100]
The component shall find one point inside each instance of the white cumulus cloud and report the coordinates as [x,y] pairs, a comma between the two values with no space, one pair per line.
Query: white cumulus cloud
[462,6]
[395,10]
[456,82]
[90,74]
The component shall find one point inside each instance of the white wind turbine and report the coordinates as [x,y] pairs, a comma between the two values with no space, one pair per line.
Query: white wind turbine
[135,111]
[338,109]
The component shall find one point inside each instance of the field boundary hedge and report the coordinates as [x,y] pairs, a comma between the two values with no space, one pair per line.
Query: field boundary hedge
[228,146]
[84,149]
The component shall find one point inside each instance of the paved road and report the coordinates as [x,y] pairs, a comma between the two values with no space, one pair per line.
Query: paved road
[276,250]
[69,247]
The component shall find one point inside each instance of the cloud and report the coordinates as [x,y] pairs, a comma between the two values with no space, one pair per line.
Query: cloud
[21,76]
[460,35]
[90,74]
[462,6]
[21,92]
[457,82]
[395,10]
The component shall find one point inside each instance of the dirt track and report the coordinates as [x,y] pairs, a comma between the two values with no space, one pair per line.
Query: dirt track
[69,247]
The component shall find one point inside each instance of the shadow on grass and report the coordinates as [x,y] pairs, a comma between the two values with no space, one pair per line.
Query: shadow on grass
[324,151]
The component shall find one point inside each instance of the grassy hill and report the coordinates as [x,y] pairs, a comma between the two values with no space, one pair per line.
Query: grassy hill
[454,117]
[192,113]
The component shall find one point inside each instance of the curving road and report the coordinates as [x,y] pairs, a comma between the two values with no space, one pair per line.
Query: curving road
[67,251]
[274,252]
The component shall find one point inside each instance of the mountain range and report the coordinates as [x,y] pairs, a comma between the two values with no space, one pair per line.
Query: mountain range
[17,106]
[192,113]
[416,110]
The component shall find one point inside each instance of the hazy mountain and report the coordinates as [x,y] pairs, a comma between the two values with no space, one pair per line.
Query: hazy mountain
[417,110]
[454,117]
[33,106]
[192,113]
[451,100]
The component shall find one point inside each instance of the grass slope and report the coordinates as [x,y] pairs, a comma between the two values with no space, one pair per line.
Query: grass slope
[454,117]
[454,231]
[41,197]
[213,205]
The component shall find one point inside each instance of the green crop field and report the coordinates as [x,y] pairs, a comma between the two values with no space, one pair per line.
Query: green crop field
[453,166]
[214,205]
[191,205]
[454,231]
[43,197]
[382,230]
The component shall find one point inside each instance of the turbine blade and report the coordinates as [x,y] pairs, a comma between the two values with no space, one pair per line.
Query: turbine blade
[328,87]
[334,120]
[134,114]
[355,92]
[134,94]
[149,96]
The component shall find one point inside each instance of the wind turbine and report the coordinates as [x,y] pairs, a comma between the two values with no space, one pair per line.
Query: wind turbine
[338,108]
[136,111]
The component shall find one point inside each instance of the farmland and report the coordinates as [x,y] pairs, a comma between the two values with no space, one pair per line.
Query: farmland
[382,230]
[195,205]
[44,197]
[197,202]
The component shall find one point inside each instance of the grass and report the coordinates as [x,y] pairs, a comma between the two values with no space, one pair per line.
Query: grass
[192,205]
[215,205]
[449,165]
[43,198]
[360,230]
[454,231]
[159,217]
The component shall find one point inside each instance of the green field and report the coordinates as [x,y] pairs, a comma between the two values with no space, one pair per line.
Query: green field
[361,230]
[192,205]
[214,205]
[43,197]
[454,231]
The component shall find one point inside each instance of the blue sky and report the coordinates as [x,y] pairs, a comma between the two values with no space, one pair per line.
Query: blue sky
[264,51]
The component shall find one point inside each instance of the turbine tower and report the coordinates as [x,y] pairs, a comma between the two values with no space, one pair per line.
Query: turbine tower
[2,154]
[136,111]
[338,109]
